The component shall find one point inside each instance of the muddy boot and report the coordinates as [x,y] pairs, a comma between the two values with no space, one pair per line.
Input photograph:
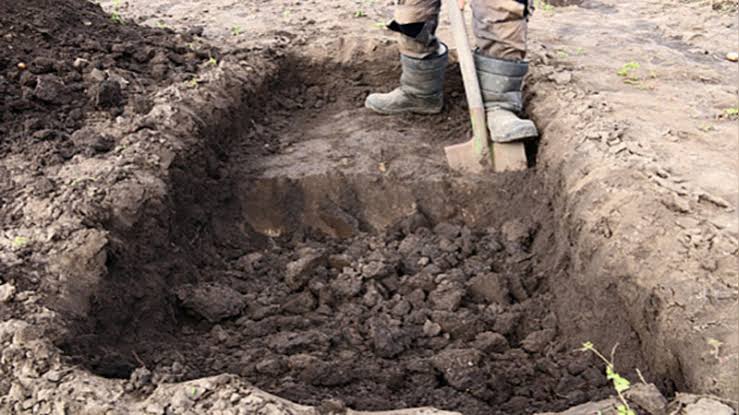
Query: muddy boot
[421,87]
[501,83]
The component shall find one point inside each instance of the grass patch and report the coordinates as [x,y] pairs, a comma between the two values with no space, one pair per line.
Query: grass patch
[20,241]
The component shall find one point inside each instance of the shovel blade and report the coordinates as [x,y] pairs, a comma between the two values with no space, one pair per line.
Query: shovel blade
[509,156]
[464,158]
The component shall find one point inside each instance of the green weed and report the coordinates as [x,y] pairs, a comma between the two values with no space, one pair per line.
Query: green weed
[544,6]
[115,17]
[627,70]
[237,30]
[620,383]
[20,241]
[359,13]
[732,112]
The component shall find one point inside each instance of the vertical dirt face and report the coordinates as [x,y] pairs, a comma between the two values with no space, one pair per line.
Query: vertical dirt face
[364,273]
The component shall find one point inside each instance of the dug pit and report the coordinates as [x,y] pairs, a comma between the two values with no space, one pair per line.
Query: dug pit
[326,254]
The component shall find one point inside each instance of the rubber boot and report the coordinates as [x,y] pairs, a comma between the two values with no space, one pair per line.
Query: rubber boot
[421,89]
[501,83]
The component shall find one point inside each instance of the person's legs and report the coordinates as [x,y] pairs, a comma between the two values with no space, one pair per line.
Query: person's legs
[416,22]
[500,32]
[423,59]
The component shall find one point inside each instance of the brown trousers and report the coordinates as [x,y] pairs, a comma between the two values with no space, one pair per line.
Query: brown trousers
[499,27]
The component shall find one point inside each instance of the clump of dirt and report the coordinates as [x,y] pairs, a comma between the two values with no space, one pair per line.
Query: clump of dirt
[65,63]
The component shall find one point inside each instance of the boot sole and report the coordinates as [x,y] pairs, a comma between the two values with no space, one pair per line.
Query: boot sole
[420,111]
[513,137]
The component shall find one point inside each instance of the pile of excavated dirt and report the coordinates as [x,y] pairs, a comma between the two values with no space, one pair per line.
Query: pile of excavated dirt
[66,63]
[422,315]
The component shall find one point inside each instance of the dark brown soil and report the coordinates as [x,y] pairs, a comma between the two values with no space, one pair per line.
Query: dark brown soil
[65,63]
[423,313]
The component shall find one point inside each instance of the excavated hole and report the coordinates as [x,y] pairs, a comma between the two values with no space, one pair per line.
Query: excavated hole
[322,252]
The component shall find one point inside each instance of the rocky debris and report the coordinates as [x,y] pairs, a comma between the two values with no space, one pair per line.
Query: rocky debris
[375,269]
[447,296]
[219,334]
[490,342]
[447,230]
[271,366]
[387,338]
[92,140]
[687,404]
[515,232]
[431,329]
[291,342]
[518,291]
[50,89]
[7,291]
[648,398]
[42,65]
[537,341]
[211,301]
[226,394]
[339,261]
[491,288]
[298,272]
[605,407]
[108,94]
[300,303]
[348,284]
[249,262]
[561,77]
[140,377]
[461,368]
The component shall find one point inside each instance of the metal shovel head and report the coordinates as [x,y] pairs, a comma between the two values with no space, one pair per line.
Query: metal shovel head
[464,158]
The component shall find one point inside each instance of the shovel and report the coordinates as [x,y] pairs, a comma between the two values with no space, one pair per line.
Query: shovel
[469,157]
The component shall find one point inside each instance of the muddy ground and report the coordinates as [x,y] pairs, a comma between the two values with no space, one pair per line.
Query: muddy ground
[181,221]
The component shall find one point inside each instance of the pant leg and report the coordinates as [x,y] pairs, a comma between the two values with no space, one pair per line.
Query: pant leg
[416,22]
[500,28]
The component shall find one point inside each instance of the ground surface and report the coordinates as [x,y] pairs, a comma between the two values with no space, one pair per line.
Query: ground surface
[173,210]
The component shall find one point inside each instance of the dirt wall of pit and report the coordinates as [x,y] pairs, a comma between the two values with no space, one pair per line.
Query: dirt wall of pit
[631,248]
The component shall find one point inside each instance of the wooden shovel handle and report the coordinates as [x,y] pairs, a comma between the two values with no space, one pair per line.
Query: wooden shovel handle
[469,76]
